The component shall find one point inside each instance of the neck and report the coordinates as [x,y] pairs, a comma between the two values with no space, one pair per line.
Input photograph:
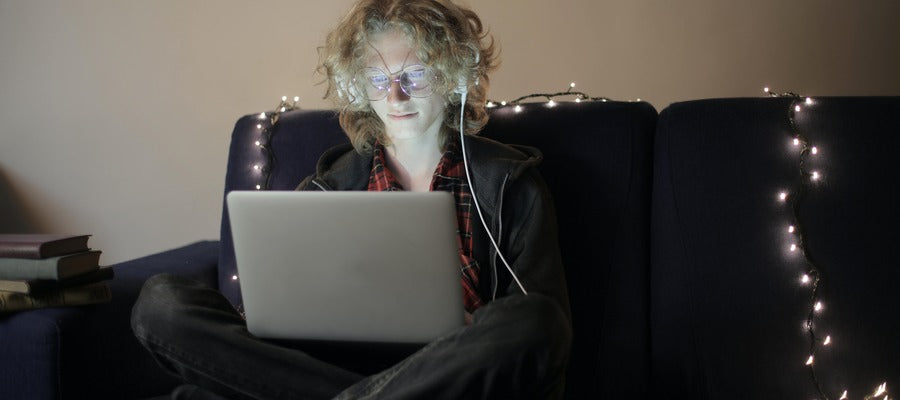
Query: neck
[414,160]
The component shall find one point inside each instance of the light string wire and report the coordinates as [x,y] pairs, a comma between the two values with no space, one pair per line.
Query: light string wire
[812,275]
[264,142]
[579,97]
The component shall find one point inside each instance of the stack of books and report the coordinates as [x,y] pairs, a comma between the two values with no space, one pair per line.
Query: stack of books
[45,270]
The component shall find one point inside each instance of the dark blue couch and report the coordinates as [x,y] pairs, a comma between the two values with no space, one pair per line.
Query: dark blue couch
[670,235]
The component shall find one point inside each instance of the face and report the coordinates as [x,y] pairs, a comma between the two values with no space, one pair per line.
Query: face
[405,117]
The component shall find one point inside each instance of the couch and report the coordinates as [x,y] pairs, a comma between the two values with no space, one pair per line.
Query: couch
[672,233]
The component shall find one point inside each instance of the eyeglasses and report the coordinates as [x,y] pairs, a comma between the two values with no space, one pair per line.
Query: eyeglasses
[414,80]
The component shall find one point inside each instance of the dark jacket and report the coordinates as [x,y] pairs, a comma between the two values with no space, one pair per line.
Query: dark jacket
[506,179]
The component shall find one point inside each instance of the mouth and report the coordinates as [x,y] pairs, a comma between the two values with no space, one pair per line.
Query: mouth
[402,116]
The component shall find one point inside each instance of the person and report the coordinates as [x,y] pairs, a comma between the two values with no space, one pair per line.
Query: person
[401,72]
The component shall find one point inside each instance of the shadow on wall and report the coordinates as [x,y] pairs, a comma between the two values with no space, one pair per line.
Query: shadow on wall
[15,217]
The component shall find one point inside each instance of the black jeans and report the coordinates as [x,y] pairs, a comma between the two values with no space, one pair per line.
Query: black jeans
[516,347]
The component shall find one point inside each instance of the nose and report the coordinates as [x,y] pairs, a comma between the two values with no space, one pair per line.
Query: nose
[396,93]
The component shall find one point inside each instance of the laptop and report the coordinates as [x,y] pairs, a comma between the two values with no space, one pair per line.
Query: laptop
[347,266]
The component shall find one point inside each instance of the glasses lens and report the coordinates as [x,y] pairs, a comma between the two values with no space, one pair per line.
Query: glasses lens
[417,81]
[375,82]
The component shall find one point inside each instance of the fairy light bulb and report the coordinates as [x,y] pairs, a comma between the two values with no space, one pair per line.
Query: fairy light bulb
[766,89]
[796,141]
[257,143]
[262,115]
[809,101]
[551,103]
[815,175]
[791,229]
[518,108]
[296,99]
[804,279]
[809,361]
[572,85]
[782,196]
[793,247]
[827,340]
[843,396]
[881,390]
[234,277]
[490,104]
[819,306]
[256,167]
[503,103]
[258,126]
[815,150]
[797,108]
[258,187]
[578,99]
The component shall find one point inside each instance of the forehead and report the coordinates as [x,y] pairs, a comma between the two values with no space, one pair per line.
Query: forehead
[391,50]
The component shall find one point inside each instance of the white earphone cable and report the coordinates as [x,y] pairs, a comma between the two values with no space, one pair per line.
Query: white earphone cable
[463,92]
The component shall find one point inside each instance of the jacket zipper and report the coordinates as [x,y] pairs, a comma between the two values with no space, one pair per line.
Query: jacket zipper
[499,213]
[322,185]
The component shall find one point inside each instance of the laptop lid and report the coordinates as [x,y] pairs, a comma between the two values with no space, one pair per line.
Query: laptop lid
[350,266]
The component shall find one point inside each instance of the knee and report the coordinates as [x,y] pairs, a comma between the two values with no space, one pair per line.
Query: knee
[549,329]
[158,306]
[536,328]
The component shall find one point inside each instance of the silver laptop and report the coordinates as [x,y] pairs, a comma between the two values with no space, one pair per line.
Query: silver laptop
[347,266]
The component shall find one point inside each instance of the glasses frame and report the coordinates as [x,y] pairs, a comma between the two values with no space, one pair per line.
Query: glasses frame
[368,88]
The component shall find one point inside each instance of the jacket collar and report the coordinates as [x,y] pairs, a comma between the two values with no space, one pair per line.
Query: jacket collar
[490,162]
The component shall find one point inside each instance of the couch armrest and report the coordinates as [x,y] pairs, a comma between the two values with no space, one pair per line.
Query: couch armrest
[90,351]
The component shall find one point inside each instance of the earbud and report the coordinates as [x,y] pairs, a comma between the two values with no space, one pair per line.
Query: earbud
[462,86]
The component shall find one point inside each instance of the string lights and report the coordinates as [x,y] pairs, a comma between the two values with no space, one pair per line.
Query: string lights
[266,129]
[811,276]
[579,97]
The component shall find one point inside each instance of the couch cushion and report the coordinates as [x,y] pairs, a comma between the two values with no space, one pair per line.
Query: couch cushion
[727,304]
[597,165]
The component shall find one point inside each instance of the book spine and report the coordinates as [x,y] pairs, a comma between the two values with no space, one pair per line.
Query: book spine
[16,250]
[33,286]
[14,268]
[54,268]
[88,294]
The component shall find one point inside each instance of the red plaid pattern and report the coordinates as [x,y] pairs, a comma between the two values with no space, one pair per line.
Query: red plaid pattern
[449,176]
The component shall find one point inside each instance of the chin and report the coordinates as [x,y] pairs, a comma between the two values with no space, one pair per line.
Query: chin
[403,134]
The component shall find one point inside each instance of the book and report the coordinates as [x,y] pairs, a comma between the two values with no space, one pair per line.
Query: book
[37,246]
[37,286]
[88,294]
[55,268]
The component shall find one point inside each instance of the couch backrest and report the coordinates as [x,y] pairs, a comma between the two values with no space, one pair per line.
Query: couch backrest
[597,159]
[727,303]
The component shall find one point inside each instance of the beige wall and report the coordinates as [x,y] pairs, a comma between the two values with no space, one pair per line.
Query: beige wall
[115,115]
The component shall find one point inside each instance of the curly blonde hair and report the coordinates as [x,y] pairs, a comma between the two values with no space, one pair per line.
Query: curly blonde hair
[449,38]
